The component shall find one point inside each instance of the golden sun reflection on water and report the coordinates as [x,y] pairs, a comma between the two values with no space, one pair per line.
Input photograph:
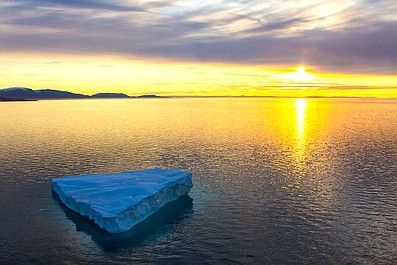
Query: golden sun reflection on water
[300,105]
[303,126]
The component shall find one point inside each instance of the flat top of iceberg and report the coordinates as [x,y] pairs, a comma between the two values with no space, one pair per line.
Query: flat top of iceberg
[111,194]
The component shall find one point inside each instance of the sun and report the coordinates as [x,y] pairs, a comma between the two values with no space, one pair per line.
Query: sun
[301,75]
[301,69]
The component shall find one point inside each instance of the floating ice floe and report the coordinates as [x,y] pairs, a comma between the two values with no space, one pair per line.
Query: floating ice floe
[118,201]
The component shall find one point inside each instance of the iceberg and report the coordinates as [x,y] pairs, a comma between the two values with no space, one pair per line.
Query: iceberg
[118,201]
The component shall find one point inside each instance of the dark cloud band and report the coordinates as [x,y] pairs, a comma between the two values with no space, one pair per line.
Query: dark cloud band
[170,30]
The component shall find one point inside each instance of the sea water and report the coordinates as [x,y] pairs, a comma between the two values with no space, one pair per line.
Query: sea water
[277,181]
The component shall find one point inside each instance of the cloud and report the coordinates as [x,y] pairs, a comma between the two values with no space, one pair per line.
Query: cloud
[348,36]
[90,4]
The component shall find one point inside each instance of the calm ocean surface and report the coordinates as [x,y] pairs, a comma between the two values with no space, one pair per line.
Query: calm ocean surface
[277,181]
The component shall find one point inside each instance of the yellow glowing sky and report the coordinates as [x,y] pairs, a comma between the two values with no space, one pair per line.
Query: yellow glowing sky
[201,48]
[89,75]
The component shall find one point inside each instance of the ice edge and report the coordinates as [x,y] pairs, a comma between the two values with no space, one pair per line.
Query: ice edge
[125,220]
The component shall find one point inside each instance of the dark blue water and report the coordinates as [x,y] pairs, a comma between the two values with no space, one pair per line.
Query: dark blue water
[277,181]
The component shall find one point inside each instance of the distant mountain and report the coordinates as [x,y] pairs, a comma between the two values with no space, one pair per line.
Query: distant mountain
[7,99]
[15,99]
[17,93]
[50,93]
[110,95]
[24,93]
[27,93]
[150,96]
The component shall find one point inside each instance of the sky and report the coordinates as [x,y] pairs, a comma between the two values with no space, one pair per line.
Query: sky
[211,48]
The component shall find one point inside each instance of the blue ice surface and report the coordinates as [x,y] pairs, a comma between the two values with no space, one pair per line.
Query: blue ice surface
[118,201]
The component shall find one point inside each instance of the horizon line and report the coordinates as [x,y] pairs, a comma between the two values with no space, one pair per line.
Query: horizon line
[155,95]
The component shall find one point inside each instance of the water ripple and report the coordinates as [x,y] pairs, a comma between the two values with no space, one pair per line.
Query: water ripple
[274,184]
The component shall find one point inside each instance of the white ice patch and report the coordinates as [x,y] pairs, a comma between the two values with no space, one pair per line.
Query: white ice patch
[118,201]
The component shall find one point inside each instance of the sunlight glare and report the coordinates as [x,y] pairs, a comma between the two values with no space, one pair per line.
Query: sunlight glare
[300,116]
[300,75]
